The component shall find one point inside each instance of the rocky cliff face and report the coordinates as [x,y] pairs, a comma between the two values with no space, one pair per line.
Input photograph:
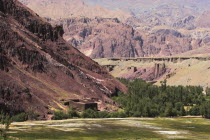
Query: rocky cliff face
[193,70]
[151,74]
[99,30]
[101,38]
[39,70]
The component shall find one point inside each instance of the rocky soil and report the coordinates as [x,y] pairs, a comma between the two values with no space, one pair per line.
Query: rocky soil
[38,69]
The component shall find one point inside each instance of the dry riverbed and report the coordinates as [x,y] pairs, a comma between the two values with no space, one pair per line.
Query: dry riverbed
[113,129]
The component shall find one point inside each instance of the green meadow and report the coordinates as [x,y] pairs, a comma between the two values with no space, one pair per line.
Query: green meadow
[113,129]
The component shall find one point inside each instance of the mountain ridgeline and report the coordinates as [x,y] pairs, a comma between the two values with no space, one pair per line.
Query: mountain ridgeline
[40,71]
[105,38]
[102,29]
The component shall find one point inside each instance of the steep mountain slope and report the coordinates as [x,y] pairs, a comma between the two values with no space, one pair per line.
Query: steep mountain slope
[57,9]
[39,70]
[101,38]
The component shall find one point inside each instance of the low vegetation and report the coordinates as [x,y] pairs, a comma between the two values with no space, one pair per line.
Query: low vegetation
[114,129]
[89,113]
[5,121]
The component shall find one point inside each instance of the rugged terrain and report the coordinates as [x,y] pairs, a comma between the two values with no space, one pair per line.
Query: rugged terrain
[144,15]
[193,70]
[61,9]
[102,38]
[39,70]
[151,13]
[140,29]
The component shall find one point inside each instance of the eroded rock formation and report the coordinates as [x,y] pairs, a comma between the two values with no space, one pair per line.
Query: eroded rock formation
[147,73]
[104,38]
[38,68]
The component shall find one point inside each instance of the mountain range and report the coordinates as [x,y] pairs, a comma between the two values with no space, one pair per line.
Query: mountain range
[164,12]
[71,8]
[124,28]
[104,38]
[40,71]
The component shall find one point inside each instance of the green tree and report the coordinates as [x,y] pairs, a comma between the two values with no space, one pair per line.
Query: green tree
[207,91]
[205,109]
[169,110]
[163,84]
[195,111]
[182,111]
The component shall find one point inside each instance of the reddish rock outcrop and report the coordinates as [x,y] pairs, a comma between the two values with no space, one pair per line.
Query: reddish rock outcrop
[38,68]
[101,38]
[148,74]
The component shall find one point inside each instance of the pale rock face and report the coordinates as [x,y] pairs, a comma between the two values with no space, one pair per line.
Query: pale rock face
[176,13]
[57,9]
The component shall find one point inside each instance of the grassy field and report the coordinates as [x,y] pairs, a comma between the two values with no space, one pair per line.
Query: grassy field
[113,129]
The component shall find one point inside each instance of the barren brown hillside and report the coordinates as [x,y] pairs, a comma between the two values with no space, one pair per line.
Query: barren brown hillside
[39,70]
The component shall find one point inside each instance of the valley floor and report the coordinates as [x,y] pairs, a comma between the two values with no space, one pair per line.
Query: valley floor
[113,129]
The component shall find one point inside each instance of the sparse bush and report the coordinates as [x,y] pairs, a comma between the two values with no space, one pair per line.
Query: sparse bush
[20,117]
[89,113]
[118,114]
[73,113]
[59,115]
[103,114]
[5,120]
[32,114]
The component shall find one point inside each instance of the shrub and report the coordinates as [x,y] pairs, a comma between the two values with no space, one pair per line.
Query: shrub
[73,113]
[118,114]
[103,114]
[89,113]
[5,120]
[20,117]
[59,115]
[32,115]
